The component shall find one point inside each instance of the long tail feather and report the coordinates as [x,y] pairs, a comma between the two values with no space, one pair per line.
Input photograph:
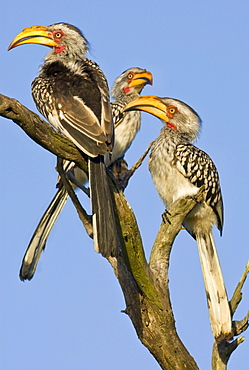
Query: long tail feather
[39,238]
[104,226]
[219,311]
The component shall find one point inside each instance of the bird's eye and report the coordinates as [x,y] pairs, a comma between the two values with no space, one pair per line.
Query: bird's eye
[130,76]
[58,35]
[171,110]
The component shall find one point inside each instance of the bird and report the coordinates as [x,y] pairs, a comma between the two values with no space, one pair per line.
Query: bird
[72,93]
[179,169]
[125,88]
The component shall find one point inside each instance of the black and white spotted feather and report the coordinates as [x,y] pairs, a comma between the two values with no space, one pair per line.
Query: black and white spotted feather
[199,168]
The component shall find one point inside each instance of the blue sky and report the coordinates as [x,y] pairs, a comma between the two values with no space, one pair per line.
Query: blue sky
[68,316]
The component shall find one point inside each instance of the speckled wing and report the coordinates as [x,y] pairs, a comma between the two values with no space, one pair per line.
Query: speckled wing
[117,113]
[75,119]
[199,168]
[106,111]
[76,102]
[106,119]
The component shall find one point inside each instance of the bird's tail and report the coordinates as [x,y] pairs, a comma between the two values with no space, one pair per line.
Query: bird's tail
[219,310]
[39,238]
[104,225]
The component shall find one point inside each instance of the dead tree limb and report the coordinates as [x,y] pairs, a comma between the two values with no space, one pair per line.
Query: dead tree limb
[144,285]
[222,351]
[84,217]
[40,131]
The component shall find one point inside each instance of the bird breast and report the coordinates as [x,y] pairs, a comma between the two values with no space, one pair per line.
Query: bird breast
[169,182]
[125,133]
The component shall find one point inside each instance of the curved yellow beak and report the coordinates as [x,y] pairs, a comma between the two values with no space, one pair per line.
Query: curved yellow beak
[33,35]
[150,104]
[142,79]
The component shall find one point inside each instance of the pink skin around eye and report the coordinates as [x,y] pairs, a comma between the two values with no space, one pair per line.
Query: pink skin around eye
[58,49]
[127,88]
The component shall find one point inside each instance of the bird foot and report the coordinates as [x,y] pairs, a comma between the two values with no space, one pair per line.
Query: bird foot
[165,217]
[121,173]
[198,198]
[124,178]
[120,169]
[59,184]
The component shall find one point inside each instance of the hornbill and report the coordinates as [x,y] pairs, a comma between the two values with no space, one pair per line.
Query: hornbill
[125,88]
[179,169]
[72,93]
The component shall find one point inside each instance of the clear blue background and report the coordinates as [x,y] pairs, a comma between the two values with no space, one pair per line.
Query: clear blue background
[68,316]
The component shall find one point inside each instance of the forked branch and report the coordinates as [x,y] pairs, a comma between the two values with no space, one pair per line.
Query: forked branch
[144,285]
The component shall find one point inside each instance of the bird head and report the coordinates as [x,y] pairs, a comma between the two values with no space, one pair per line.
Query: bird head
[131,82]
[66,40]
[175,114]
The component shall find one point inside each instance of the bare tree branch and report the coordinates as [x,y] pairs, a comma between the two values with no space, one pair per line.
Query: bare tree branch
[222,351]
[125,175]
[40,131]
[159,258]
[84,217]
[237,295]
[145,286]
[146,304]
